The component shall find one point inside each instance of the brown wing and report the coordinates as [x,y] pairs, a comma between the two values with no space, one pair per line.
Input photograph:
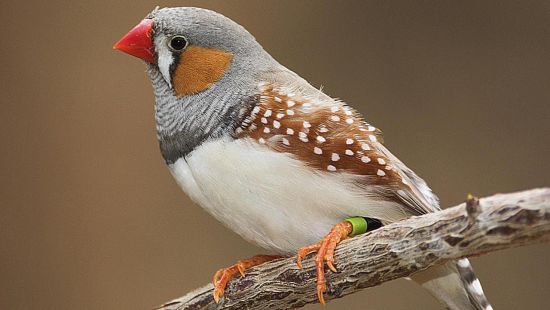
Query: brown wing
[329,136]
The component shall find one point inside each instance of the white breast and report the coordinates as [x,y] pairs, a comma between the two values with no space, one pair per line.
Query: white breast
[272,199]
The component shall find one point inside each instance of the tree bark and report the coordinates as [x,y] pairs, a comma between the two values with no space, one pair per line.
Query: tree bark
[393,251]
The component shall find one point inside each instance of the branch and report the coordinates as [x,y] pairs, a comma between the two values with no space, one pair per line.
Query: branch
[393,251]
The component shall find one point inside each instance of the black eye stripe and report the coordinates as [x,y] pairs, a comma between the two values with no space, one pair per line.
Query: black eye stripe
[177,43]
[173,65]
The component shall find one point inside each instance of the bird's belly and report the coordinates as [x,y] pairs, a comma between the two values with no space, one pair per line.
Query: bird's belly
[270,198]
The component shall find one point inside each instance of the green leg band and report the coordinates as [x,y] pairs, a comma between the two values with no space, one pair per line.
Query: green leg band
[359,225]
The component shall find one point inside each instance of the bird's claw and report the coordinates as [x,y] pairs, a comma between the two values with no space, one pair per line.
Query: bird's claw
[325,254]
[222,276]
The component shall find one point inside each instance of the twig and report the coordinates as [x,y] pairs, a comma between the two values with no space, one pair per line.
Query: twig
[394,251]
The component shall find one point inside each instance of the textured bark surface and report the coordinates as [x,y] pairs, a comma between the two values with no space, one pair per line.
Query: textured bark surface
[394,251]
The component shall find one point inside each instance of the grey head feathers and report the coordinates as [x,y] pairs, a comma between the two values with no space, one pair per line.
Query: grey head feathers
[204,28]
[184,122]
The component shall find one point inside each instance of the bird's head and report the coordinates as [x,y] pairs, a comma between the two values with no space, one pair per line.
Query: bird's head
[192,48]
[205,70]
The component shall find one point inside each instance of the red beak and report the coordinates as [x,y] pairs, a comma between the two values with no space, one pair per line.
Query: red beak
[138,42]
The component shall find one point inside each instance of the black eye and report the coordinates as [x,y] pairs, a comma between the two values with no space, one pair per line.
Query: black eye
[178,43]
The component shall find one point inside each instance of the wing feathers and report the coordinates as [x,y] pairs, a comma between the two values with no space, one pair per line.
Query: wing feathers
[331,137]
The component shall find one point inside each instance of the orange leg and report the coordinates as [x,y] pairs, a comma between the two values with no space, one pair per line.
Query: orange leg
[222,276]
[325,253]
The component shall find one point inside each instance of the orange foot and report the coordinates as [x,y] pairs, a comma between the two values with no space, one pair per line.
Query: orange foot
[222,276]
[325,253]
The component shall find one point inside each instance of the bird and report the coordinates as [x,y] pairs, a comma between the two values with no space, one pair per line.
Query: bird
[284,165]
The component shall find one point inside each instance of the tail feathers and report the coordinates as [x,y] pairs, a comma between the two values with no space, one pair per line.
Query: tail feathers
[455,285]
[472,285]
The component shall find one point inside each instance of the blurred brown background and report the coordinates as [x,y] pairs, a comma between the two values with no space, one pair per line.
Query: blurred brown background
[91,219]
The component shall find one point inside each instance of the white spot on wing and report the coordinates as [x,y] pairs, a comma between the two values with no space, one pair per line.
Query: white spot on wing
[262,85]
[335,157]
[331,168]
[317,151]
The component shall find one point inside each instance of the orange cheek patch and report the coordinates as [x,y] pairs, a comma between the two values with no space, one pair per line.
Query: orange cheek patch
[198,69]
